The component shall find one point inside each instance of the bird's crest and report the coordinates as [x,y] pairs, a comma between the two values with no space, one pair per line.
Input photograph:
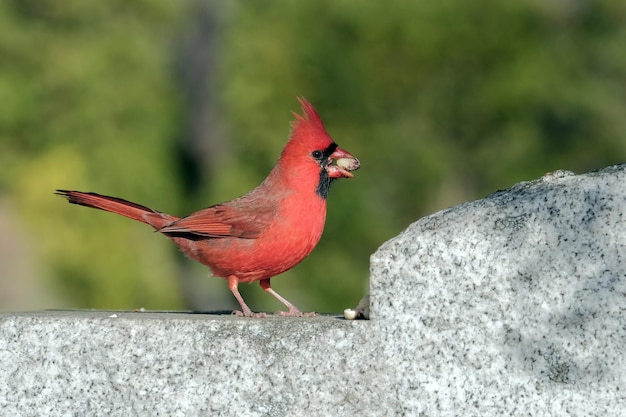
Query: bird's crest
[308,129]
[310,115]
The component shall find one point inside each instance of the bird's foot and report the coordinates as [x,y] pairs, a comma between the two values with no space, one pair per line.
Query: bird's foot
[248,313]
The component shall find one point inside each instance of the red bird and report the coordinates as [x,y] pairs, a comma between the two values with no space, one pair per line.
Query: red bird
[264,232]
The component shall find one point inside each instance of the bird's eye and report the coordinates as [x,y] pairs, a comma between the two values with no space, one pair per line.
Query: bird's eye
[317,154]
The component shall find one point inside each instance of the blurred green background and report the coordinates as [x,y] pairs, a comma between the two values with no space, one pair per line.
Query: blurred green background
[180,105]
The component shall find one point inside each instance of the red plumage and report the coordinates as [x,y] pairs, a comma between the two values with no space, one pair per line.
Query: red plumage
[264,232]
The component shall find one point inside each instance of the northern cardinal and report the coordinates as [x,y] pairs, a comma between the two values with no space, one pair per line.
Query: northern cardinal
[264,232]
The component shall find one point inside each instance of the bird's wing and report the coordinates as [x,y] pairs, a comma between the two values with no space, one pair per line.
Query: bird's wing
[222,221]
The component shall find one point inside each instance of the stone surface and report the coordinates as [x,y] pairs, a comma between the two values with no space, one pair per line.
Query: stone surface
[514,304]
[510,305]
[148,364]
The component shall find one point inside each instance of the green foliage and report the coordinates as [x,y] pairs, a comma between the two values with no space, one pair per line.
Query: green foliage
[90,106]
[442,101]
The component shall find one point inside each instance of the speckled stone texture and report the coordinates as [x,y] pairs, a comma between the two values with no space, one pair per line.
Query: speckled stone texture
[158,364]
[511,305]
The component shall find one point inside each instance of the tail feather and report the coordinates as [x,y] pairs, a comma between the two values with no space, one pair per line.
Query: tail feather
[119,206]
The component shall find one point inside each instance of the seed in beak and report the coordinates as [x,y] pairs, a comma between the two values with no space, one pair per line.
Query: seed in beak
[349,164]
[345,165]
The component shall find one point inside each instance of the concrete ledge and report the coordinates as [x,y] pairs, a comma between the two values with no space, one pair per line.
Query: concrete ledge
[510,305]
[122,364]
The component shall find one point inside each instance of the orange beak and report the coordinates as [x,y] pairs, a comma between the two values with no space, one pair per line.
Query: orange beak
[344,162]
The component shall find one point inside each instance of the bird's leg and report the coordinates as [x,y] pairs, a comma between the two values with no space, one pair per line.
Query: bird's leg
[233,283]
[293,310]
